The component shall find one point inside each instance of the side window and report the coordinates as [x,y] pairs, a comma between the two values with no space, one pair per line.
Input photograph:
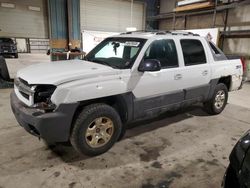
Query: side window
[165,51]
[193,52]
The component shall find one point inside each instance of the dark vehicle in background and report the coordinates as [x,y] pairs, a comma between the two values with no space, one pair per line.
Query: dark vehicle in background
[8,47]
[238,171]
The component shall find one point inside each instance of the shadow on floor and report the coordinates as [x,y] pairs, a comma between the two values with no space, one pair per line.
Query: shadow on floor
[69,155]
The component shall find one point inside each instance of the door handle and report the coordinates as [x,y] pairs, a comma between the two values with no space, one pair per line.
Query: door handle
[205,72]
[177,76]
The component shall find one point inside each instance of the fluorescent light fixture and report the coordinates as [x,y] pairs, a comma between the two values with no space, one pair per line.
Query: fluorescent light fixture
[188,2]
[34,8]
[8,5]
[131,29]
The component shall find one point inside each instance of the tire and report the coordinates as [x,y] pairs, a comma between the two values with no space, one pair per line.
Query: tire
[96,129]
[215,106]
[4,73]
[16,55]
[123,132]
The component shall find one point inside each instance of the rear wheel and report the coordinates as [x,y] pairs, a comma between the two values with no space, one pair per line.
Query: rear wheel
[96,129]
[218,101]
[16,55]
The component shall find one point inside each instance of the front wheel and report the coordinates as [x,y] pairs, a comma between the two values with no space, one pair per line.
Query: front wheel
[218,101]
[96,129]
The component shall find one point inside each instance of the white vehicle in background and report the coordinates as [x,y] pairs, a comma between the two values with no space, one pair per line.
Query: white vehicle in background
[128,77]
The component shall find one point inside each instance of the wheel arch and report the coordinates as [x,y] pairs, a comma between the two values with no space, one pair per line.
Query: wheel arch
[123,103]
[224,80]
[227,80]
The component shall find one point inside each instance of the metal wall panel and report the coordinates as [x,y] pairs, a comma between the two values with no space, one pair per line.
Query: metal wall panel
[167,6]
[111,15]
[20,21]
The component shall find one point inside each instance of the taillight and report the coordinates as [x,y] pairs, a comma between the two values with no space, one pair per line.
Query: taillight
[243,62]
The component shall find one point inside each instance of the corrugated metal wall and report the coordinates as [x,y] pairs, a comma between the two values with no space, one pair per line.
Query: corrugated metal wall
[20,21]
[110,15]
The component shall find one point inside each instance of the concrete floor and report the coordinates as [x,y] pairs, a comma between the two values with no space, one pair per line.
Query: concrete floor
[187,149]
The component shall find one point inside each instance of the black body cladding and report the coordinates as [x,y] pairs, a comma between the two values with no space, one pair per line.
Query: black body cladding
[55,126]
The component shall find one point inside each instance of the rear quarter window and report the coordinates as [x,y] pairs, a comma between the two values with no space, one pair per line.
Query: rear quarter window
[214,49]
[218,55]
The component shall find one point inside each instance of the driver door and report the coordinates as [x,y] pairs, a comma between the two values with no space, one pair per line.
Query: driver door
[158,91]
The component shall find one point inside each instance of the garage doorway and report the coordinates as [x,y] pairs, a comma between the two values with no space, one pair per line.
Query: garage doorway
[22,45]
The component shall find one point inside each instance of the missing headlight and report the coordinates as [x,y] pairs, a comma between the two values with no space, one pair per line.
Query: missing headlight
[42,97]
[45,107]
[43,93]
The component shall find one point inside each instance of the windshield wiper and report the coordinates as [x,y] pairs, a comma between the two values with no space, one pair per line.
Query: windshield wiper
[103,63]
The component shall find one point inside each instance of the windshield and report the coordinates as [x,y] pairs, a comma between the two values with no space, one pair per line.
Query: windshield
[116,52]
[7,40]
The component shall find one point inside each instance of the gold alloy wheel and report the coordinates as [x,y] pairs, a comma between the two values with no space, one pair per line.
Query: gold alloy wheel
[99,132]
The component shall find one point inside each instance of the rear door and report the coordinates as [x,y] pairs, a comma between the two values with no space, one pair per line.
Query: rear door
[196,73]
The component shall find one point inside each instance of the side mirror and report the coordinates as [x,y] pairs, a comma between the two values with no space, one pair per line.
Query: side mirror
[149,65]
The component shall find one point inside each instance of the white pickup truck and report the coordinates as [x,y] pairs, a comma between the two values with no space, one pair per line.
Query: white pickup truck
[125,78]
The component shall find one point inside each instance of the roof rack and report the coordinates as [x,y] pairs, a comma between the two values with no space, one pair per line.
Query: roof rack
[140,31]
[185,33]
[159,32]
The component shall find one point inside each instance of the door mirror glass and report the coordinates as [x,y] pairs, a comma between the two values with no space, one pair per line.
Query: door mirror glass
[150,65]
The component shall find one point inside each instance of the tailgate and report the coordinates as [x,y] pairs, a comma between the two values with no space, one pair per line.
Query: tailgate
[237,74]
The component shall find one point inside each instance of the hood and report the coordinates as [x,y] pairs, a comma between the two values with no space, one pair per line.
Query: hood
[59,72]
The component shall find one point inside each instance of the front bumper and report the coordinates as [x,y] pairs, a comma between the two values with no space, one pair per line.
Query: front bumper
[52,126]
[8,52]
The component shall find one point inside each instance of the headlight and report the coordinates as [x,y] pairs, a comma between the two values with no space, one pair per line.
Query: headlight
[42,97]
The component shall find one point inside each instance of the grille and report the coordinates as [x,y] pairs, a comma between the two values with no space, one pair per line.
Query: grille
[25,90]
[26,96]
[24,82]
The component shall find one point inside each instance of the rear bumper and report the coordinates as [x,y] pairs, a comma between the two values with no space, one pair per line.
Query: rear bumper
[52,126]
